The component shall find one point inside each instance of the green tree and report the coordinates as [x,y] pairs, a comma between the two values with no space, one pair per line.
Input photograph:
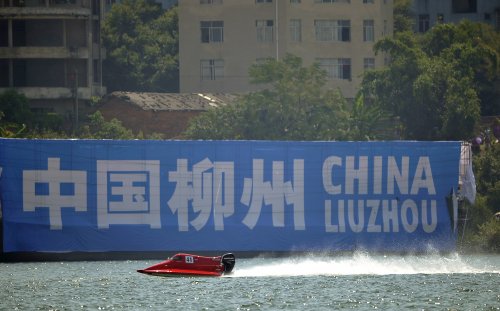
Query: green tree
[216,123]
[488,236]
[482,230]
[98,128]
[403,16]
[433,92]
[142,44]
[369,122]
[474,50]
[487,173]
[17,121]
[293,105]
[15,108]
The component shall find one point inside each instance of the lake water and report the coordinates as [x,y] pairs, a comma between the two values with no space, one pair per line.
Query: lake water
[310,282]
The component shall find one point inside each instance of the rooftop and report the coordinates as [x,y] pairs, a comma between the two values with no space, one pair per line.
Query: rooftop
[175,101]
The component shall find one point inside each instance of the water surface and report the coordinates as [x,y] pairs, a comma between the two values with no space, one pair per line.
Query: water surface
[359,281]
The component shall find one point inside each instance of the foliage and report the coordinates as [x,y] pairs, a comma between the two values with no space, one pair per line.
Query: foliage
[49,121]
[153,136]
[12,130]
[16,114]
[17,119]
[142,44]
[489,235]
[293,105]
[482,232]
[46,134]
[217,123]
[15,108]
[474,51]
[369,122]
[485,237]
[95,100]
[487,173]
[432,85]
[98,128]
[403,17]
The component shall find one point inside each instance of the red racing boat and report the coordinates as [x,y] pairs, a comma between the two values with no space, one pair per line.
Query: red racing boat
[193,265]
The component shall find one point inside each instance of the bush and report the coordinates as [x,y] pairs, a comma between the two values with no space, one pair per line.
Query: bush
[482,232]
[478,215]
[99,128]
[488,236]
[15,108]
[49,121]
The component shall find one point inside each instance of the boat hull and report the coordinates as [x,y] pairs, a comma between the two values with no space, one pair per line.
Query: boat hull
[192,265]
[179,273]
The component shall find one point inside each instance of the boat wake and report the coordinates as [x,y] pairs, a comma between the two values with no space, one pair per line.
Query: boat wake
[365,264]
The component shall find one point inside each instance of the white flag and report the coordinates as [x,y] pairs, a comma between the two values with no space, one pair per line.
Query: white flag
[469,185]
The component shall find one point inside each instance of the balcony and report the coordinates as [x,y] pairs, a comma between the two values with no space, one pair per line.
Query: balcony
[43,52]
[62,12]
[84,93]
[45,3]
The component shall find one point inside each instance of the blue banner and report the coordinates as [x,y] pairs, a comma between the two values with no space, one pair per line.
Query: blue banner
[109,195]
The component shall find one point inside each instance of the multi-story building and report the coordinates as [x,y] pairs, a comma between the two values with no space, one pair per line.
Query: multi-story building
[220,39]
[431,12]
[165,4]
[50,50]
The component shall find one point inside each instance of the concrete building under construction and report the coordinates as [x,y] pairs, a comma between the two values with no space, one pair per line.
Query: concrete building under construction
[50,50]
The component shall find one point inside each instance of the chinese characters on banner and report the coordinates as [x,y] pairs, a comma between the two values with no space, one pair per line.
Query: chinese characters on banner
[105,195]
[128,193]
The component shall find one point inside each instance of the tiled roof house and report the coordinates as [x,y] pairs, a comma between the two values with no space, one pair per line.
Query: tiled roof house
[164,113]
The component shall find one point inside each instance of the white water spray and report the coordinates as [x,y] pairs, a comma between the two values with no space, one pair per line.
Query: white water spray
[363,264]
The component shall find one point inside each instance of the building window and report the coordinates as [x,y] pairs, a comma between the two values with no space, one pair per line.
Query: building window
[210,1]
[333,30]
[294,1]
[63,2]
[263,1]
[423,22]
[369,63]
[97,71]
[332,1]
[4,32]
[4,73]
[265,29]
[295,30]
[212,31]
[336,68]
[96,33]
[212,69]
[368,1]
[464,6]
[368,31]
